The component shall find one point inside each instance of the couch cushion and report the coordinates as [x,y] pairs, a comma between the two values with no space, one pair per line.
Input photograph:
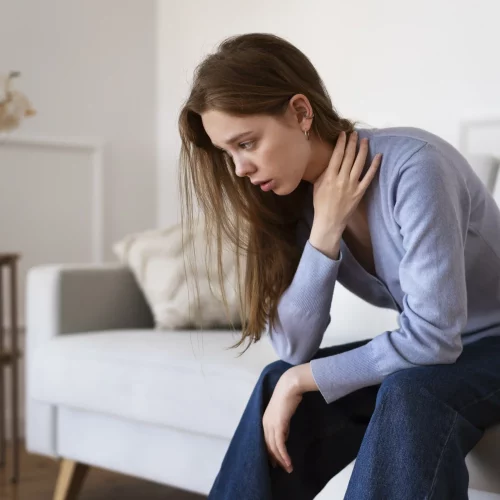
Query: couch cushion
[186,379]
[157,258]
[189,380]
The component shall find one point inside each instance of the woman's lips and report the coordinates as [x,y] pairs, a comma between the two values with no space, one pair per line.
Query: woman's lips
[267,186]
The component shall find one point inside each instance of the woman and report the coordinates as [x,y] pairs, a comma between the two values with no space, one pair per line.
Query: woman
[303,194]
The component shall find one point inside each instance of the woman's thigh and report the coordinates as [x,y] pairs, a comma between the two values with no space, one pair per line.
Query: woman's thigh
[470,386]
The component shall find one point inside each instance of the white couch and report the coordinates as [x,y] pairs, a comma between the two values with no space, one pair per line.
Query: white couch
[104,388]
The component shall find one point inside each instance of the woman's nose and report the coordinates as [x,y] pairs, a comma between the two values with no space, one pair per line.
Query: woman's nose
[242,167]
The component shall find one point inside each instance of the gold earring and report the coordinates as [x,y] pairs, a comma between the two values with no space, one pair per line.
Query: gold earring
[306,132]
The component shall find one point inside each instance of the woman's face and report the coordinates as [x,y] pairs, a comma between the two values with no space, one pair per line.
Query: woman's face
[263,148]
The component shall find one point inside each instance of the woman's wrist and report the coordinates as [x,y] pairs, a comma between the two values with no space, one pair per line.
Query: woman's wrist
[301,379]
[326,238]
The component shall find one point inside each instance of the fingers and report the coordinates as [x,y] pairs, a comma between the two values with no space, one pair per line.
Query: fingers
[359,164]
[269,439]
[274,450]
[338,153]
[277,453]
[370,174]
[350,154]
[360,160]
[280,437]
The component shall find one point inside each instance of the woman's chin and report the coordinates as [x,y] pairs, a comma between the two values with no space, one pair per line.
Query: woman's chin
[281,190]
[284,189]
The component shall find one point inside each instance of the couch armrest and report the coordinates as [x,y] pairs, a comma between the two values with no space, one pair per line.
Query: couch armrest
[69,298]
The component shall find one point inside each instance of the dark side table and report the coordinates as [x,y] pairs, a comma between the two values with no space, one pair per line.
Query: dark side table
[9,359]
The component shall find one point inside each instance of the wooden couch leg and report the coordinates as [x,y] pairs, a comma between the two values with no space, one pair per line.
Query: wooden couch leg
[70,479]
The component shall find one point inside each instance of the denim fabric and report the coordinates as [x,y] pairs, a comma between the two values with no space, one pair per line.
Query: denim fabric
[409,435]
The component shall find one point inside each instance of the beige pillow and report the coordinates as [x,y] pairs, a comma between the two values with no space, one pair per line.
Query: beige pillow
[156,260]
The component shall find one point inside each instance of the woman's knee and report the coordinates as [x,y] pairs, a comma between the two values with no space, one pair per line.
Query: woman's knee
[399,386]
[273,372]
[413,389]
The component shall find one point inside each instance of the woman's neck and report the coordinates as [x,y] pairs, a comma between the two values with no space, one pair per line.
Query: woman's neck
[320,158]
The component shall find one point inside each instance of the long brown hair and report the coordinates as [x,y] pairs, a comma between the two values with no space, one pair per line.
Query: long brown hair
[249,74]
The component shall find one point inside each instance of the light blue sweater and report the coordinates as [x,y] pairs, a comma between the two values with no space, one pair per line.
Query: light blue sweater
[435,231]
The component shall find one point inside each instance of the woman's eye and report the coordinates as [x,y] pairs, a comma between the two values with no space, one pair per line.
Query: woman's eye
[246,145]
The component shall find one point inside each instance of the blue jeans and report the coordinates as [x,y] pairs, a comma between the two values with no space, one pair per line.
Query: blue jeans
[409,435]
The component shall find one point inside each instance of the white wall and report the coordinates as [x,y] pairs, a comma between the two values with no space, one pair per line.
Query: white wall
[429,64]
[89,66]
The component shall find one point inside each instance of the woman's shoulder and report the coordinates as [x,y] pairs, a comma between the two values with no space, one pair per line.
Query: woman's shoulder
[405,145]
[399,142]
[412,134]
[405,138]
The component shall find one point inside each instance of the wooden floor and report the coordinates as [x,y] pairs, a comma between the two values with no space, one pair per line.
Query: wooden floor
[38,477]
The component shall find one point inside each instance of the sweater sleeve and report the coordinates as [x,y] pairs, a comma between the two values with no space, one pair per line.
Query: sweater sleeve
[431,209]
[304,308]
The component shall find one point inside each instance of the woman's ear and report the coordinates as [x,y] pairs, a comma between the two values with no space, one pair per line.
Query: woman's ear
[301,107]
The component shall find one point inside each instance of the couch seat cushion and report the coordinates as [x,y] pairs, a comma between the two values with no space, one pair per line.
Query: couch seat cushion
[185,379]
[189,380]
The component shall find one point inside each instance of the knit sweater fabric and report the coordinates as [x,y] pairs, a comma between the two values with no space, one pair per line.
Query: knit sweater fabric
[435,232]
